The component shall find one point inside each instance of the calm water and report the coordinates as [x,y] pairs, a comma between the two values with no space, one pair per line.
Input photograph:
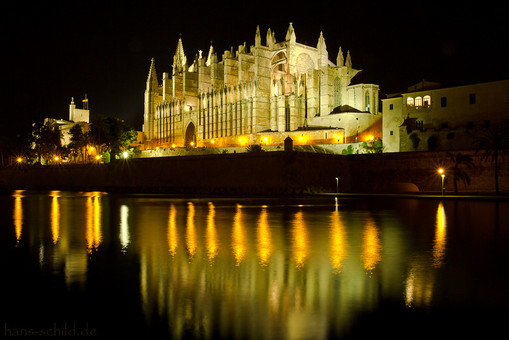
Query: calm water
[103,265]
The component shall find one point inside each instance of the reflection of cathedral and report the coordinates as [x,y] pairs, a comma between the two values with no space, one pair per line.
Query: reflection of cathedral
[258,95]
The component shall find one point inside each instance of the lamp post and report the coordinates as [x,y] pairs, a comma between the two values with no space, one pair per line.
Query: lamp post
[337,185]
[442,174]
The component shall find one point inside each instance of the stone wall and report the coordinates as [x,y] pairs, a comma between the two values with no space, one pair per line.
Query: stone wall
[266,173]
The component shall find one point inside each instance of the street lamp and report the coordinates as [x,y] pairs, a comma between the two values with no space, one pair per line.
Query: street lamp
[442,174]
[337,185]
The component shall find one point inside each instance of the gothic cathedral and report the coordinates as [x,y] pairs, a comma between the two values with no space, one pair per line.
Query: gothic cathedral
[259,95]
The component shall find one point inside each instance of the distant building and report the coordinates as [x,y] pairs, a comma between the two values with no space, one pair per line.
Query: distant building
[76,116]
[260,94]
[428,117]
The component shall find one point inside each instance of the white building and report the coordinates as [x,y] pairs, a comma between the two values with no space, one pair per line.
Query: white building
[428,117]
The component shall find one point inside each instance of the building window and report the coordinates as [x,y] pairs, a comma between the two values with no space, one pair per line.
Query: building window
[410,101]
[427,101]
[391,106]
[366,101]
[443,102]
[418,101]
[471,98]
[392,133]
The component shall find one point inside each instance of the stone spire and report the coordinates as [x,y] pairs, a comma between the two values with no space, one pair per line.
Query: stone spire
[348,62]
[258,37]
[270,39]
[323,58]
[152,83]
[321,44]
[340,60]
[210,56]
[179,59]
[290,34]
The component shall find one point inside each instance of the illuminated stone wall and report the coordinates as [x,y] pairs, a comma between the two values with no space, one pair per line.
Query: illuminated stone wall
[272,87]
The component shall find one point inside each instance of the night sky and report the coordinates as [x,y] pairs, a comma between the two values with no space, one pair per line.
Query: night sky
[55,50]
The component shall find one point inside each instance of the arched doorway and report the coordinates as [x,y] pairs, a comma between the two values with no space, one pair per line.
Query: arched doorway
[190,139]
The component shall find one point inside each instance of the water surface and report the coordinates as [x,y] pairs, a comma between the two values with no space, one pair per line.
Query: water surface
[108,265]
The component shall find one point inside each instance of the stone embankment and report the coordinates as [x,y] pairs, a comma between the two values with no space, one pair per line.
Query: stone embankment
[264,173]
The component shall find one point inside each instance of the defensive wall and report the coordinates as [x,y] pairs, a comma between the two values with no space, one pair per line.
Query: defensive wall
[262,173]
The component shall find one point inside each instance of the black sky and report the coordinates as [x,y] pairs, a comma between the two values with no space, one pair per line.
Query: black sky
[55,50]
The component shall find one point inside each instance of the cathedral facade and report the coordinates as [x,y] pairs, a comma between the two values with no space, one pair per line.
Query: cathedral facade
[259,95]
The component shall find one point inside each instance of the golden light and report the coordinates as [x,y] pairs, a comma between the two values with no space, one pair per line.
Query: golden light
[211,234]
[439,242]
[242,140]
[56,158]
[371,246]
[239,237]
[192,143]
[441,171]
[338,237]
[18,214]
[98,157]
[19,160]
[173,146]
[191,243]
[55,216]
[264,237]
[212,141]
[172,231]
[371,138]
[300,240]
[93,234]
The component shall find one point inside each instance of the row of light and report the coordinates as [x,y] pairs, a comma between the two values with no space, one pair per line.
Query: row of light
[265,140]
[125,155]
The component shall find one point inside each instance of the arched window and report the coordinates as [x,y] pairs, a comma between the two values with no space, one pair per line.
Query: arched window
[410,101]
[418,101]
[427,101]
[367,103]
[337,94]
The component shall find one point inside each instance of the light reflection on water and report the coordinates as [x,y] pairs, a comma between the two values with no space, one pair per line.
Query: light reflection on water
[259,268]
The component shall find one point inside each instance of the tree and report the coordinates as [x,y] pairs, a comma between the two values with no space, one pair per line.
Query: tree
[111,135]
[432,143]
[493,143]
[375,146]
[415,140]
[79,141]
[461,163]
[254,148]
[47,141]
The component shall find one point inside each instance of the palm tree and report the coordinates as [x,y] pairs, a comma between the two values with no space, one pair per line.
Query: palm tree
[461,163]
[493,142]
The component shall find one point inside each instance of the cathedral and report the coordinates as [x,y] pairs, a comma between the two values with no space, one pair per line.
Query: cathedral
[259,94]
